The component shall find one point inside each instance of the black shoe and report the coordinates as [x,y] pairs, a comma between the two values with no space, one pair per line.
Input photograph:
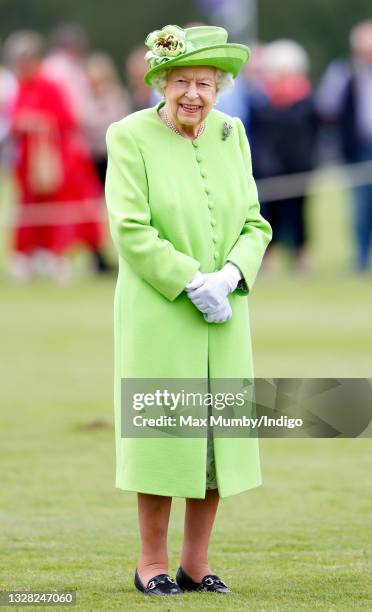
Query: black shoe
[210,583]
[162,584]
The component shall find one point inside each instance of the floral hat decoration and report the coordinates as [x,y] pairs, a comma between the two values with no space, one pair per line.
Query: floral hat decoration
[196,46]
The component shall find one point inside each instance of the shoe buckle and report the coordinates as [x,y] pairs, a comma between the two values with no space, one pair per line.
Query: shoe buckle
[209,581]
[151,584]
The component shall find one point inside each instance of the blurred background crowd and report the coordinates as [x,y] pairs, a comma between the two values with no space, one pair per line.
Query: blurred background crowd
[58,96]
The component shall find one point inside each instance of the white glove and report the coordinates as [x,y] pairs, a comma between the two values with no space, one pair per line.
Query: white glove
[210,294]
[196,281]
[221,314]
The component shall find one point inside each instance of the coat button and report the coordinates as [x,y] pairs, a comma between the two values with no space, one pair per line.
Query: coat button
[215,238]
[198,158]
[216,254]
[210,205]
[203,173]
[195,143]
[207,190]
[213,222]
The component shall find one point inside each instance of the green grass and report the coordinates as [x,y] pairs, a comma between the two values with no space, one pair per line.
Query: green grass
[313,328]
[300,542]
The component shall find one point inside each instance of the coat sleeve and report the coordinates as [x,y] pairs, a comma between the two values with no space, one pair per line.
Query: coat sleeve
[256,233]
[153,258]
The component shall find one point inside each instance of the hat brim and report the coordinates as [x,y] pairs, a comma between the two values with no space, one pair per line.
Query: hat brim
[229,58]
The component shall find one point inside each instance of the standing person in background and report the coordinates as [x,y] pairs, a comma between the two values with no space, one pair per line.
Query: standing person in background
[247,91]
[253,75]
[236,101]
[135,70]
[39,116]
[110,103]
[8,92]
[52,165]
[283,132]
[65,66]
[345,97]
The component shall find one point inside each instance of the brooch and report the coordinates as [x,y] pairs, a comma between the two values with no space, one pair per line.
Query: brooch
[226,130]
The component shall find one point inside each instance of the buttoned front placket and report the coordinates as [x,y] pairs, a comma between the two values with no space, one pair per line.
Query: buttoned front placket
[211,476]
[212,220]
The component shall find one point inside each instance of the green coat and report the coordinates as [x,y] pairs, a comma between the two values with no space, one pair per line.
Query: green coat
[177,206]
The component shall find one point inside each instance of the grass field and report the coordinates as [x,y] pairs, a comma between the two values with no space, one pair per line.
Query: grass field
[300,542]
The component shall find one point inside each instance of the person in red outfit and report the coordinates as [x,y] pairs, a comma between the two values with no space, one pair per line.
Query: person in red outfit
[52,166]
[65,65]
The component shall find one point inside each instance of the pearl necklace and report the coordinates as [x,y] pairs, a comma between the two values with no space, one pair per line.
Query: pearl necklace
[168,122]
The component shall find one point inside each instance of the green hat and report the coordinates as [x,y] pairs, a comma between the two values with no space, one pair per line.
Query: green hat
[197,46]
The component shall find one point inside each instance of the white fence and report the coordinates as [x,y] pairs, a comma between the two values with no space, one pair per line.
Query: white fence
[270,189]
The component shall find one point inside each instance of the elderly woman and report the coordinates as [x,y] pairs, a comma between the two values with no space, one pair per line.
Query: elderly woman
[185,220]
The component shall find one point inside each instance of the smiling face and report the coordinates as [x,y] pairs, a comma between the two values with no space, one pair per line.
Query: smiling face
[190,94]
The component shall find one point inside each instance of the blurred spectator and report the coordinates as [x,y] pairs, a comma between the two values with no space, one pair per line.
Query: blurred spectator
[283,136]
[345,96]
[8,92]
[65,66]
[247,91]
[110,103]
[253,73]
[254,70]
[52,165]
[235,102]
[135,69]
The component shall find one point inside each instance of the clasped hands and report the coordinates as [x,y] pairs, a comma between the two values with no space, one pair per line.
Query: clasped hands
[208,292]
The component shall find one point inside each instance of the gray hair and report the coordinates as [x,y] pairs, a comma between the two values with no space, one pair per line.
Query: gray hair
[23,44]
[360,30]
[284,55]
[224,81]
